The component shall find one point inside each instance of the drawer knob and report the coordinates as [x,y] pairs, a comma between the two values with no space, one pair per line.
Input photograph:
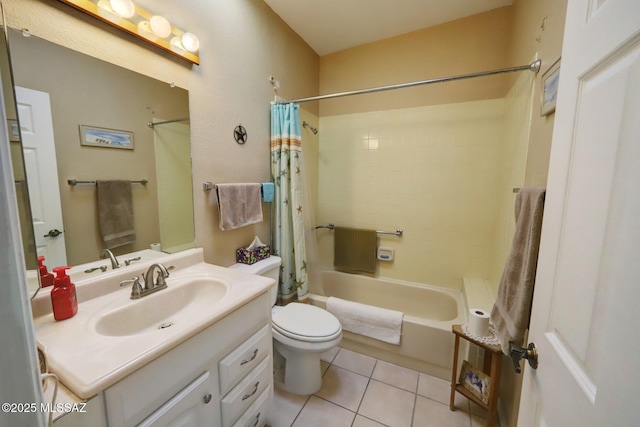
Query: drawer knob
[255,389]
[253,356]
[207,398]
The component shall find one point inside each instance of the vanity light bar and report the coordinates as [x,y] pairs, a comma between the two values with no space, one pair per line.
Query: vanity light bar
[144,25]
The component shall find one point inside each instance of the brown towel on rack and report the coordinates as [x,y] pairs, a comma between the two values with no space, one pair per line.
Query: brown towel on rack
[115,213]
[239,205]
[354,250]
[512,309]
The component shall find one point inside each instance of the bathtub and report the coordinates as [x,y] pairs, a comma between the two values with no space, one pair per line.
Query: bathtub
[427,342]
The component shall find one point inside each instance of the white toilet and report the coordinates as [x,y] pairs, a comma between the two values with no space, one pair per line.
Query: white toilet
[301,332]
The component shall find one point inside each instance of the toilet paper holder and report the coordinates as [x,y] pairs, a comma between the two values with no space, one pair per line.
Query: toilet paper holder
[517,353]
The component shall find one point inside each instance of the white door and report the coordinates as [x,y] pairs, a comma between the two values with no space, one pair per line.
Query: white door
[586,320]
[36,127]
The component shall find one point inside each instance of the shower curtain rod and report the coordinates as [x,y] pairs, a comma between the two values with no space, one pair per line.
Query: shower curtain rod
[534,66]
[152,124]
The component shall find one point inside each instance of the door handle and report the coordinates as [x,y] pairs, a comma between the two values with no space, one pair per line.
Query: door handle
[53,233]
[530,353]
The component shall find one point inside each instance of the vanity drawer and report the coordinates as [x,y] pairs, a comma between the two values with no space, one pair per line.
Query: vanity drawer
[256,415]
[244,358]
[246,392]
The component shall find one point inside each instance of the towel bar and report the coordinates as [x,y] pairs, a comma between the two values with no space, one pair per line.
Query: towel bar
[77,181]
[398,232]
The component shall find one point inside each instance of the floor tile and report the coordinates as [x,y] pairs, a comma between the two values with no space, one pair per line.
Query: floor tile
[395,375]
[342,387]
[355,362]
[387,404]
[365,422]
[323,367]
[285,409]
[479,416]
[429,413]
[440,390]
[320,413]
[360,391]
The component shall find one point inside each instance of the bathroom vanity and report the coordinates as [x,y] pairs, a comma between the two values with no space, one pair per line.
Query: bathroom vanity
[196,353]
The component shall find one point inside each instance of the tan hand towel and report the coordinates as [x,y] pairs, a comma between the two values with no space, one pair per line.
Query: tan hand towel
[354,250]
[115,213]
[239,205]
[512,309]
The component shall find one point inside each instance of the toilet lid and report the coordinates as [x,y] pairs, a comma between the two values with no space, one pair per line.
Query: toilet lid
[306,322]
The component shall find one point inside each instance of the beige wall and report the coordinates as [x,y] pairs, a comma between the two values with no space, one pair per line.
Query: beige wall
[468,45]
[537,26]
[242,43]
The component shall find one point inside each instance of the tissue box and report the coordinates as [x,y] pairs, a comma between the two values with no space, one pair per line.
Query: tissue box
[251,256]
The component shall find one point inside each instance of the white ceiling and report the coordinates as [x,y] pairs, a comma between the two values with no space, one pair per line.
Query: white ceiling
[333,25]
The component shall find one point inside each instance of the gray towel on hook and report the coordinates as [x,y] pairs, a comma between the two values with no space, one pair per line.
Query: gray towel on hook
[115,213]
[512,309]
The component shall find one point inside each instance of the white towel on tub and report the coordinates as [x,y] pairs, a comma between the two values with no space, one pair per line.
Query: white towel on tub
[373,322]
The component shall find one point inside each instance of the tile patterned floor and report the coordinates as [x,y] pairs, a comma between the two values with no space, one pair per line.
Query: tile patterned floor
[360,391]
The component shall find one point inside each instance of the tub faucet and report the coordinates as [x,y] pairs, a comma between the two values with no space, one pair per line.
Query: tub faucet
[106,253]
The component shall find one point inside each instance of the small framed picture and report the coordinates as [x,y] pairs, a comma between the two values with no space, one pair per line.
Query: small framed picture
[550,89]
[477,382]
[101,137]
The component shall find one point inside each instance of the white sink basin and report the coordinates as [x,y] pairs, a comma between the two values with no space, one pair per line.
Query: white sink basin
[162,309]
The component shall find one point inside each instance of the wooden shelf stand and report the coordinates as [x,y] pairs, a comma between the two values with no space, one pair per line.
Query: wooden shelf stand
[491,366]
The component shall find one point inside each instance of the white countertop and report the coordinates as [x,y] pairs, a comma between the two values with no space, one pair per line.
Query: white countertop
[87,362]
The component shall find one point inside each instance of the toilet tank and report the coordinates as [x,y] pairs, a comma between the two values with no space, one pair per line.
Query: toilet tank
[268,267]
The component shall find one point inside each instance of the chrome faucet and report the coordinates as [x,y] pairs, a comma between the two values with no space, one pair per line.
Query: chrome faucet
[137,291]
[114,261]
[160,282]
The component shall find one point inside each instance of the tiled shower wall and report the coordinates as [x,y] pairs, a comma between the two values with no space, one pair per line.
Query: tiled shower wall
[431,171]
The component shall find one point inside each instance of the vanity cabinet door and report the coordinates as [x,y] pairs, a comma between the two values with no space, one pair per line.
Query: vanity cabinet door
[191,407]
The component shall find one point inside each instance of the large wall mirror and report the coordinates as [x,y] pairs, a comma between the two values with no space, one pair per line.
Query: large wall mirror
[17,156]
[64,99]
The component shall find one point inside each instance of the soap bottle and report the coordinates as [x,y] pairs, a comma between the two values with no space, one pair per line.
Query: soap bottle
[46,278]
[63,295]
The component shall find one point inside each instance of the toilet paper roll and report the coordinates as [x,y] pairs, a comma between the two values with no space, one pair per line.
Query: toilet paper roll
[155,247]
[478,322]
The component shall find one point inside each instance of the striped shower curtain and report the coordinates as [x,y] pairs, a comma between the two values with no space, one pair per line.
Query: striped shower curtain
[288,228]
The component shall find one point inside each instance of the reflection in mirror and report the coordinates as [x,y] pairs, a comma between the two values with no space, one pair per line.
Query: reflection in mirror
[18,163]
[68,90]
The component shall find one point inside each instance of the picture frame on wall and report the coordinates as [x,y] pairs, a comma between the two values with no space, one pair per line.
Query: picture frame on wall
[109,138]
[550,89]
[477,382]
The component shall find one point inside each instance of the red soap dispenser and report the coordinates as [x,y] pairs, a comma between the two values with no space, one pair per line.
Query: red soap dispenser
[46,278]
[63,295]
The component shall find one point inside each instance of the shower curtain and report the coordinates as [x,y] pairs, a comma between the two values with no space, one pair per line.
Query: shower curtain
[288,227]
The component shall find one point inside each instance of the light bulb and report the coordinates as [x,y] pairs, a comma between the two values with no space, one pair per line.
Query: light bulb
[160,26]
[190,42]
[123,8]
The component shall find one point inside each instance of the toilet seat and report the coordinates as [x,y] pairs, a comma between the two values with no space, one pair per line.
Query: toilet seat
[306,322]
